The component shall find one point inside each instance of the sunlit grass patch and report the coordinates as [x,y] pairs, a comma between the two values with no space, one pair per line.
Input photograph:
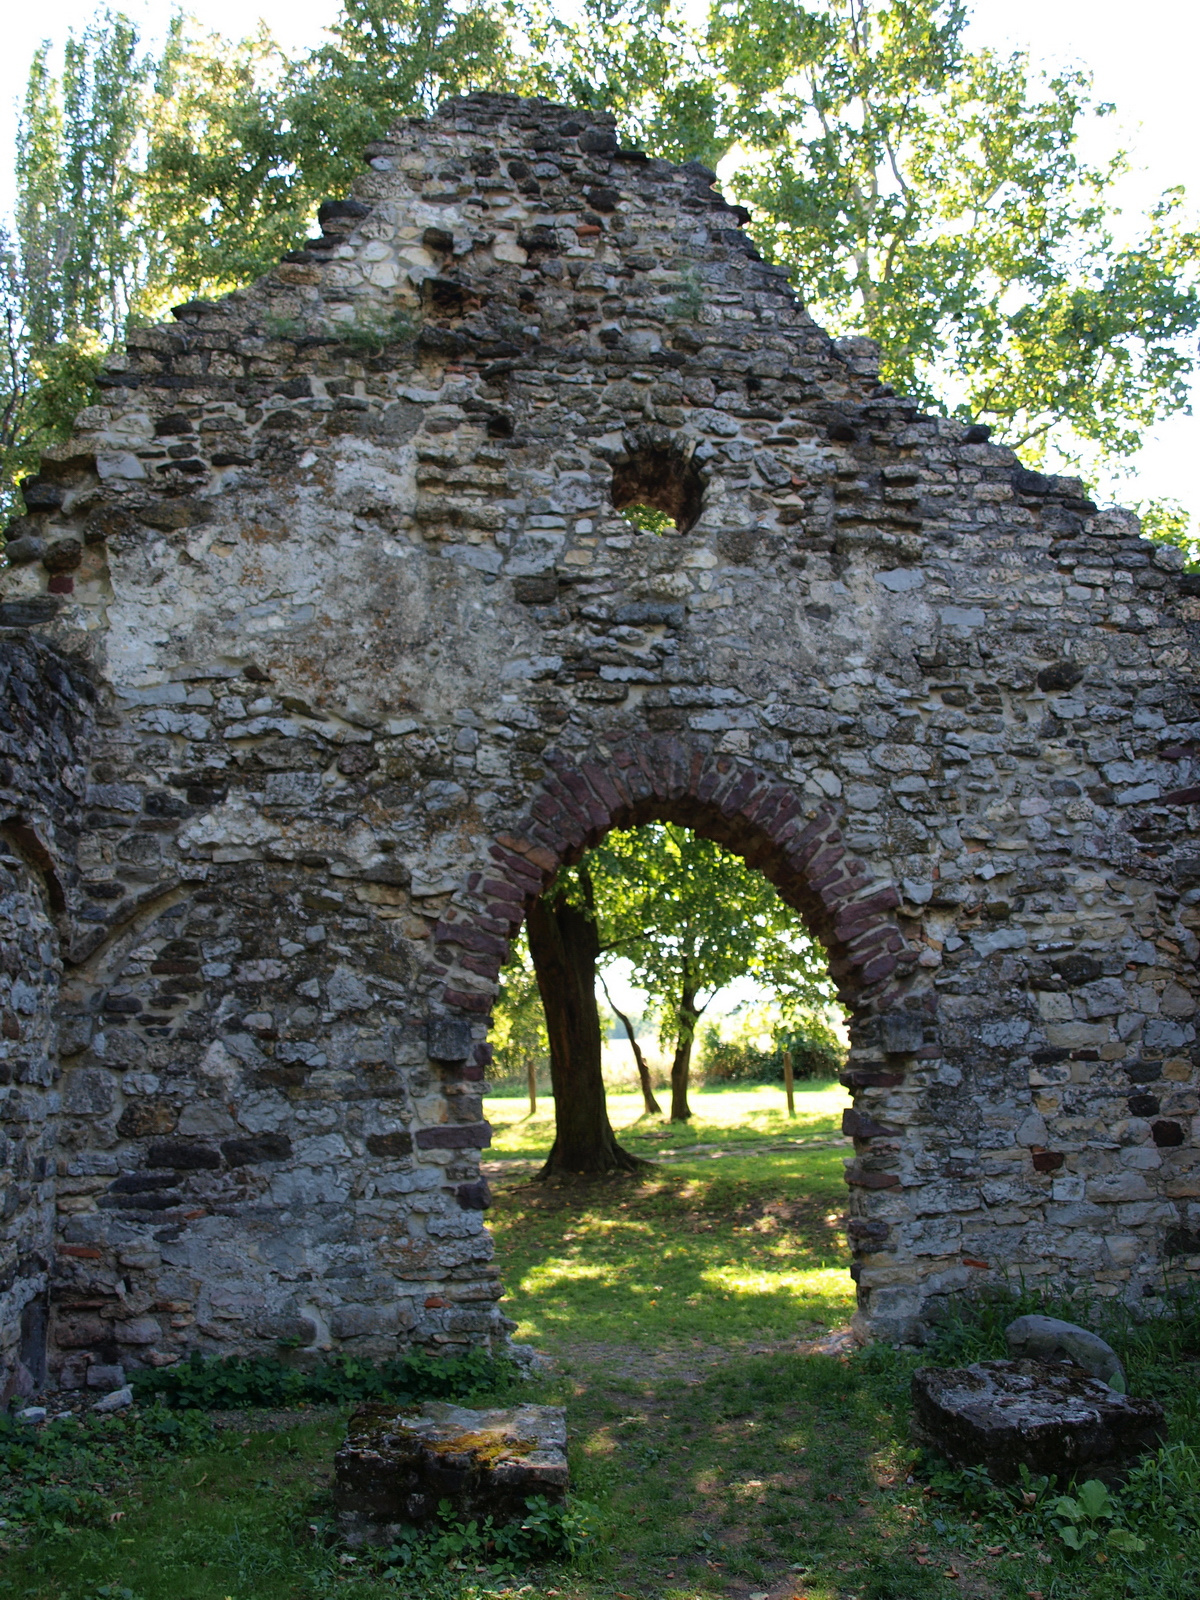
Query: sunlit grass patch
[746,1248]
[724,1117]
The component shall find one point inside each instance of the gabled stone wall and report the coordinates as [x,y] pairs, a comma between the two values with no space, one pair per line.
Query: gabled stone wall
[376,652]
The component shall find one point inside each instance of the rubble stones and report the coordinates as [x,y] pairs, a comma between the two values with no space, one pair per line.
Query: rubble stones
[1051,1417]
[396,1467]
[118,1400]
[377,653]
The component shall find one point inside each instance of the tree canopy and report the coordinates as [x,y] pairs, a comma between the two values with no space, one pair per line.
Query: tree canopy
[931,196]
[691,918]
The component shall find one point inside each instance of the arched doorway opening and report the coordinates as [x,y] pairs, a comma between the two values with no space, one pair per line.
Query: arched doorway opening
[798,846]
[700,1199]
[686,933]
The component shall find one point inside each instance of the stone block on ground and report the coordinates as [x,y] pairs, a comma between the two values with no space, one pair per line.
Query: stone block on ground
[116,1401]
[398,1463]
[1050,1339]
[1052,1417]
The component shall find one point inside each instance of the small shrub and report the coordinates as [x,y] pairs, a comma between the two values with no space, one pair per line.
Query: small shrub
[816,1051]
[233,1383]
[370,335]
[547,1532]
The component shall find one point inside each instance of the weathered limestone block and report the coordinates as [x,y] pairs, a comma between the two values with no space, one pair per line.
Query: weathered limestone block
[1049,1339]
[1051,1417]
[397,1466]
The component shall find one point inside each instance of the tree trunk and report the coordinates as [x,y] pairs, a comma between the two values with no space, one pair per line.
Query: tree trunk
[564,947]
[531,1076]
[653,1109]
[681,1065]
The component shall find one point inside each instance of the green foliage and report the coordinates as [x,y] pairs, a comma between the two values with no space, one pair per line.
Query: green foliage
[246,143]
[930,196]
[647,520]
[518,1031]
[547,1532]
[1167,522]
[1089,1516]
[371,335]
[64,1474]
[237,1382]
[933,197]
[76,268]
[816,1052]
[936,199]
[737,1060]
[643,60]
[691,917]
[83,260]
[142,181]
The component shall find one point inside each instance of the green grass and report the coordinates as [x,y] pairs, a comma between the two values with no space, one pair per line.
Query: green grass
[740,1241]
[727,1118]
[725,1461]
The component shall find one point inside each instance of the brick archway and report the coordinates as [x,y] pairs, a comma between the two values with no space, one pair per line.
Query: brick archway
[798,847]
[756,815]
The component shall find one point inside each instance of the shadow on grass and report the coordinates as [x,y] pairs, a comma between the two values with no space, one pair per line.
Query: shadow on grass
[750,1249]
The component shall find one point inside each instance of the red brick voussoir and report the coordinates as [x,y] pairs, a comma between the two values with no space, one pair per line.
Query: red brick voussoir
[672,779]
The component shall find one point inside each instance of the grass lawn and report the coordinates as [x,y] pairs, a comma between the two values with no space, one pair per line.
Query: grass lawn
[737,1238]
[724,1462]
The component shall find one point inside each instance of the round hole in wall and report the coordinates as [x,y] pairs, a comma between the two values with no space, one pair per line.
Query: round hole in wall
[657,489]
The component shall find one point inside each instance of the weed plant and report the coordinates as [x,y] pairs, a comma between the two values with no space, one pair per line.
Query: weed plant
[237,1382]
[547,1532]
[69,1473]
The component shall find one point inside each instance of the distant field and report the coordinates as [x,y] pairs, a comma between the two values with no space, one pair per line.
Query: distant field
[721,1116]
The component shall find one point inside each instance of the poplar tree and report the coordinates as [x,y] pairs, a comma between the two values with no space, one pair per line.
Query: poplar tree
[933,197]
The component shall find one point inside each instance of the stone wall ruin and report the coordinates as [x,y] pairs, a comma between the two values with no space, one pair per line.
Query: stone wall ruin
[339,645]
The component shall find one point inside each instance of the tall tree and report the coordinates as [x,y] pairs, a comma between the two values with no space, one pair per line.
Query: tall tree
[937,199]
[565,945]
[931,196]
[145,180]
[245,144]
[692,918]
[643,60]
[82,249]
[75,266]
